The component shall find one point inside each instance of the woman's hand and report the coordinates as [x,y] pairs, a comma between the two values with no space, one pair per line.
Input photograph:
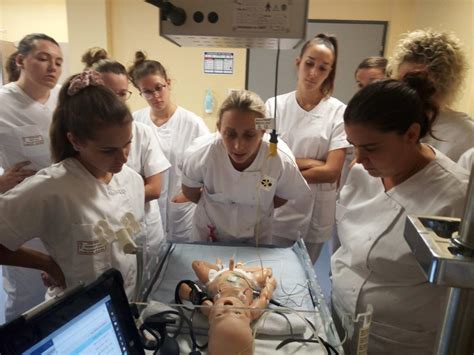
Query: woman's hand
[14,175]
[179,198]
[53,275]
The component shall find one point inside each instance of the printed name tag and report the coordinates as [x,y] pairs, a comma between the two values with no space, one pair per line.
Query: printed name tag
[264,123]
[32,140]
[90,247]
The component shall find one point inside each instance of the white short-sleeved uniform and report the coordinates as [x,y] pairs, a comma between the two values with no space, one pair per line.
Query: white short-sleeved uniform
[24,135]
[147,159]
[174,137]
[455,131]
[467,160]
[61,205]
[375,265]
[232,201]
[309,134]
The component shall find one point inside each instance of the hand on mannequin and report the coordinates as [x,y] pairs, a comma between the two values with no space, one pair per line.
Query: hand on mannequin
[14,175]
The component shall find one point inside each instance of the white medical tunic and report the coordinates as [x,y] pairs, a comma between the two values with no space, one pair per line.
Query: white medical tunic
[24,135]
[237,206]
[147,159]
[24,127]
[174,137]
[61,205]
[309,134]
[455,131]
[375,265]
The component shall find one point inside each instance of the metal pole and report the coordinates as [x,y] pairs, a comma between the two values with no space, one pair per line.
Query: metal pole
[466,233]
[457,332]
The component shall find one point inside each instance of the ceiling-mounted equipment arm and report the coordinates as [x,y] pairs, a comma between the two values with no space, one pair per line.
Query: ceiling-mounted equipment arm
[176,15]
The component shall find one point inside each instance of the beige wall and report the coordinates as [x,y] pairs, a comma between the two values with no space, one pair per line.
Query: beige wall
[124,26]
[20,17]
[87,27]
[460,21]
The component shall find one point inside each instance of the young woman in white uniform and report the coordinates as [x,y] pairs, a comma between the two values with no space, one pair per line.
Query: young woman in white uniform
[441,56]
[310,121]
[176,128]
[234,180]
[88,194]
[145,156]
[26,108]
[395,176]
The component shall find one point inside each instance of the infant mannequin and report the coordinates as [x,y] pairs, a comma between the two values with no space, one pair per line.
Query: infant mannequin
[238,296]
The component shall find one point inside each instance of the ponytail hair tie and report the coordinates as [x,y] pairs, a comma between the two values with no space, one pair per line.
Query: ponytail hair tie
[86,78]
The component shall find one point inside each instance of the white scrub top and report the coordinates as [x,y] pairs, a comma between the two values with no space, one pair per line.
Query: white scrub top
[24,135]
[147,159]
[233,201]
[174,137]
[24,127]
[61,205]
[309,134]
[455,131]
[375,265]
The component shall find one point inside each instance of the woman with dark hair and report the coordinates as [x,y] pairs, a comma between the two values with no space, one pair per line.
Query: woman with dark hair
[145,157]
[370,70]
[87,205]
[395,175]
[13,71]
[27,106]
[309,120]
[176,128]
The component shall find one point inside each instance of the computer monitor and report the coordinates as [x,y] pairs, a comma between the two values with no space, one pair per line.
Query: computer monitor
[95,319]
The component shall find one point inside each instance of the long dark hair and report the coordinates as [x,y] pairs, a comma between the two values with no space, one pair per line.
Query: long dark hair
[394,105]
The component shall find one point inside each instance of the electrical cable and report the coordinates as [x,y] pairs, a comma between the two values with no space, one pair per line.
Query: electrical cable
[273,134]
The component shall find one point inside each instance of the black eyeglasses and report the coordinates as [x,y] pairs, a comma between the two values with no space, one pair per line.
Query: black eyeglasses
[149,94]
[124,95]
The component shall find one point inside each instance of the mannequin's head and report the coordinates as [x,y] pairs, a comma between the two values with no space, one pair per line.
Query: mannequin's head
[229,328]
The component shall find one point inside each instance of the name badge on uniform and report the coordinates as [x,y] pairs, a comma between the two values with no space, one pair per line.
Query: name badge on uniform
[32,141]
[267,183]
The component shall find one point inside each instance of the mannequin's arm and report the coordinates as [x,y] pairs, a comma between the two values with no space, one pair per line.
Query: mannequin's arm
[201,269]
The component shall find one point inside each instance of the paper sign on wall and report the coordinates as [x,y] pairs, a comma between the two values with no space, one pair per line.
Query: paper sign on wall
[218,63]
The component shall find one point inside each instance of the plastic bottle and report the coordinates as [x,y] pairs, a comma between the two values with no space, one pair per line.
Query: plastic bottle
[208,102]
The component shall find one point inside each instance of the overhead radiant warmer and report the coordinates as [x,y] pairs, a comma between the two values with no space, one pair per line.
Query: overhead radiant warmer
[233,23]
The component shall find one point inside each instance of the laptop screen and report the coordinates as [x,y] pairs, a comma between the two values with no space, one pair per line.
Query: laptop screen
[95,319]
[95,331]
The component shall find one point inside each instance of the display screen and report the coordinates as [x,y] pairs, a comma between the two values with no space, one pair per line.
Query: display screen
[95,331]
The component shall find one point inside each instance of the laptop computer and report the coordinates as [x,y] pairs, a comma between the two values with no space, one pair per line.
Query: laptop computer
[92,319]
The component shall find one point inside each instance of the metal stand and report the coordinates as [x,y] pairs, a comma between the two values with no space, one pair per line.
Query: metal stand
[449,261]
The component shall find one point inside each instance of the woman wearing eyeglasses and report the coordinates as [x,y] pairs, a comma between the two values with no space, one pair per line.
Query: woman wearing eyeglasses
[176,128]
[145,157]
